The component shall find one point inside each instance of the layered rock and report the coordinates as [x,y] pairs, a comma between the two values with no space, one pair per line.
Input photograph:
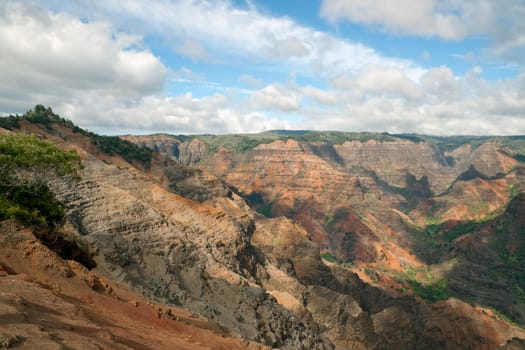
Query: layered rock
[177,251]
[357,316]
[47,302]
[263,278]
[391,206]
[392,161]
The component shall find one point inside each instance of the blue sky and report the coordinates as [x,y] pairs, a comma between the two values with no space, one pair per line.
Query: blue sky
[437,67]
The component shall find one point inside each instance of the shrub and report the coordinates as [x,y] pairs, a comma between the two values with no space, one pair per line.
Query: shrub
[329,257]
[432,292]
[27,164]
[107,144]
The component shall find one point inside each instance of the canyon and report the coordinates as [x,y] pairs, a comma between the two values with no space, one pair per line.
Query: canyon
[292,240]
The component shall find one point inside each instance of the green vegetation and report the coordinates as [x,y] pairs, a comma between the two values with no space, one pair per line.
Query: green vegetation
[238,143]
[503,259]
[449,143]
[520,157]
[108,144]
[329,220]
[432,292]
[241,143]
[19,153]
[257,201]
[27,164]
[10,122]
[514,190]
[266,208]
[129,151]
[340,214]
[438,230]
[461,229]
[433,221]
[329,257]
[373,274]
[337,138]
[33,205]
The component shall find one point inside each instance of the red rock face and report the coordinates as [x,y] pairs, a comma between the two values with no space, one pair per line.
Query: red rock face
[181,235]
[391,161]
[313,182]
[395,207]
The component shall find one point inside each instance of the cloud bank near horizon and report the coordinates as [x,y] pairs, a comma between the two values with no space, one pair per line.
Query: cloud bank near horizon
[225,68]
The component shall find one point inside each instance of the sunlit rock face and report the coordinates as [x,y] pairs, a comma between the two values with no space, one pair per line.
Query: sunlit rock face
[182,236]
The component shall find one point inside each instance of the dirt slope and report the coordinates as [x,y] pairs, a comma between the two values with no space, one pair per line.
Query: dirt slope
[49,303]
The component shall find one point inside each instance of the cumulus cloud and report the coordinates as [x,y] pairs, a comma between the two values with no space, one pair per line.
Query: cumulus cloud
[106,80]
[386,80]
[251,81]
[502,21]
[421,17]
[320,96]
[441,83]
[47,58]
[276,97]
[193,50]
[184,114]
[217,30]
[445,104]
[286,48]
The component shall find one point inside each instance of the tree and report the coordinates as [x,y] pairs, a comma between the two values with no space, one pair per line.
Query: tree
[27,165]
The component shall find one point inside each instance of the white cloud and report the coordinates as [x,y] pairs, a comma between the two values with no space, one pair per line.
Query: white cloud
[251,81]
[405,16]
[445,104]
[48,57]
[183,114]
[441,83]
[320,96]
[502,21]
[388,81]
[186,74]
[276,97]
[286,48]
[108,81]
[216,30]
[193,50]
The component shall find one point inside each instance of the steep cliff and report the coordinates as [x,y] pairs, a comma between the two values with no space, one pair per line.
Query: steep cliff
[262,278]
[392,207]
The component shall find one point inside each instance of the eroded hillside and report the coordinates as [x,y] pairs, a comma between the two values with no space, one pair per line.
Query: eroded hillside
[185,240]
[398,210]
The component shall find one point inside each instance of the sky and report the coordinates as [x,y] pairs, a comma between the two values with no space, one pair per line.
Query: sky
[437,67]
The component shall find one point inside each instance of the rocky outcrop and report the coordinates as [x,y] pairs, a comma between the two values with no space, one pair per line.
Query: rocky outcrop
[180,252]
[355,315]
[263,278]
[187,153]
[392,161]
[387,206]
[492,159]
[164,144]
[47,302]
